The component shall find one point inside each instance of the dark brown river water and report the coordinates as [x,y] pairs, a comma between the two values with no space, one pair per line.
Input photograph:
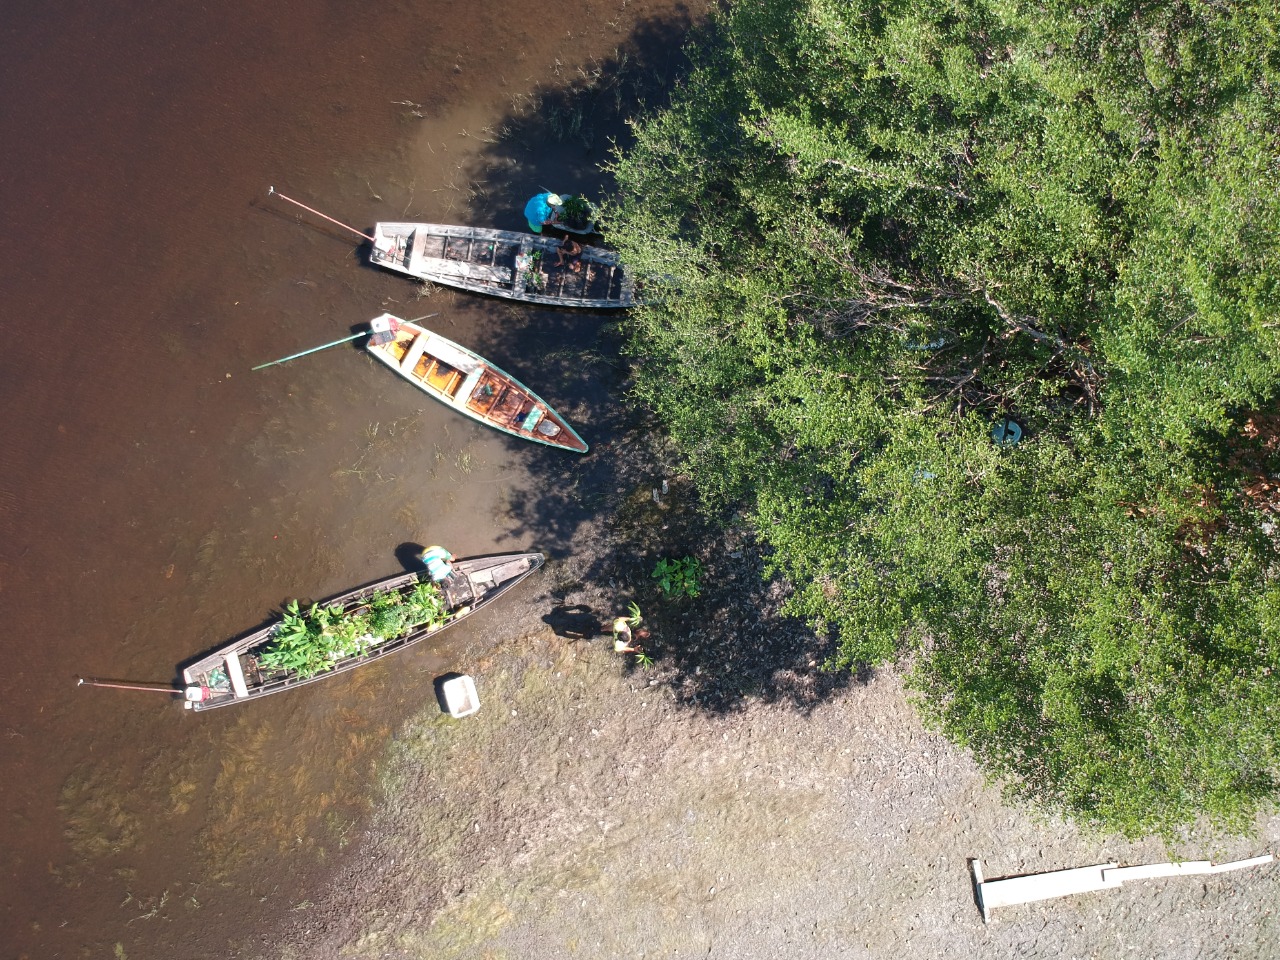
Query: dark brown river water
[156,498]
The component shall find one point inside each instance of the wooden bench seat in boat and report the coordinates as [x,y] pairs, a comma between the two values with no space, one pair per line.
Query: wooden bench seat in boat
[235,674]
[532,419]
[446,352]
[469,385]
[414,353]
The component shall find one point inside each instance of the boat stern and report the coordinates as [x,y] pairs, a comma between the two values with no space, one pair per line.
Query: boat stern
[389,249]
[383,329]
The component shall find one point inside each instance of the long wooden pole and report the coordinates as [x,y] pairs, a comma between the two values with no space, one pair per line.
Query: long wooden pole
[273,192]
[156,687]
[325,346]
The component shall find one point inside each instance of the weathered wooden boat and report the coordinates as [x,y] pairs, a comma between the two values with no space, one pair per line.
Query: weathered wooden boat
[239,672]
[503,263]
[465,381]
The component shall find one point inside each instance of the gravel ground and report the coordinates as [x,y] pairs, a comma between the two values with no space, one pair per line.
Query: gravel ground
[732,800]
[585,812]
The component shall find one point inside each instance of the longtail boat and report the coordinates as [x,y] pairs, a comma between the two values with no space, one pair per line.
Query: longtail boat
[465,381]
[249,668]
[503,263]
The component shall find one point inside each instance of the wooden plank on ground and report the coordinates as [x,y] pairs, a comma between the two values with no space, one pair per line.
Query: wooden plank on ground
[1150,871]
[1241,864]
[1009,891]
[1041,886]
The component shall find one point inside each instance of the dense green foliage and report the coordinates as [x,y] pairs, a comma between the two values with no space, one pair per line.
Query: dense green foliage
[678,578]
[868,233]
[315,640]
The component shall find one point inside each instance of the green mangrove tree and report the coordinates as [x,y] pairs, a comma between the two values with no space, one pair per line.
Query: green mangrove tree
[882,242]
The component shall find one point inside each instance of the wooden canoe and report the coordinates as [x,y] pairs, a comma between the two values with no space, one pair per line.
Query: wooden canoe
[234,674]
[465,381]
[502,263]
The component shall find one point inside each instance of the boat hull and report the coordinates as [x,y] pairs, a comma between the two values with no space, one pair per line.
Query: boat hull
[464,381]
[231,674]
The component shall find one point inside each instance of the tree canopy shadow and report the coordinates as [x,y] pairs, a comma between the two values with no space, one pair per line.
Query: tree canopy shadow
[606,518]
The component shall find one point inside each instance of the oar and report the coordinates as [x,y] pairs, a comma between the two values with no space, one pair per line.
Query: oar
[325,346]
[273,192]
[158,688]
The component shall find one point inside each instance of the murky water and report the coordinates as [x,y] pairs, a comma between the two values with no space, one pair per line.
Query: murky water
[157,498]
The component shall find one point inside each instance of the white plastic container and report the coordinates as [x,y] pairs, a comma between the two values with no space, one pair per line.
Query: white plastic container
[460,696]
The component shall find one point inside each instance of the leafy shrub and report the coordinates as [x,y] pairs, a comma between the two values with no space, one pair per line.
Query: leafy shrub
[679,578]
[888,227]
[387,615]
[298,644]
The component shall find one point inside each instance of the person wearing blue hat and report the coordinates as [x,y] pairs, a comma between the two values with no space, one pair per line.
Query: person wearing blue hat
[542,210]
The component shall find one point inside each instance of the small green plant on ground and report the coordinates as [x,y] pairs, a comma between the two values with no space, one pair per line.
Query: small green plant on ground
[679,578]
[313,641]
[633,615]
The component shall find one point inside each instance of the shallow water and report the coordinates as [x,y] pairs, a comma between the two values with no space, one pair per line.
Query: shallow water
[157,498]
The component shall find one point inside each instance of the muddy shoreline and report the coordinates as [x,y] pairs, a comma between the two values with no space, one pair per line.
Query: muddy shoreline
[731,800]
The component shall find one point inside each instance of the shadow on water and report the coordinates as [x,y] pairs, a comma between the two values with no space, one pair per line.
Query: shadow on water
[625,505]
[557,137]
[408,555]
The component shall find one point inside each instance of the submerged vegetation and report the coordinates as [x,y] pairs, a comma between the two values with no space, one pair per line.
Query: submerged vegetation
[312,641]
[883,232]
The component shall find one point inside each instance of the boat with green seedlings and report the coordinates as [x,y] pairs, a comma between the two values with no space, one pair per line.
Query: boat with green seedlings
[309,643]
